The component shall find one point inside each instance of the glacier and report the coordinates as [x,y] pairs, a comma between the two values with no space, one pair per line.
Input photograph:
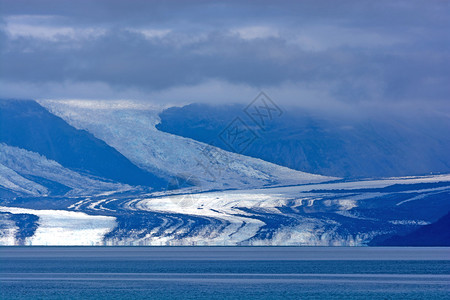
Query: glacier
[243,214]
[213,197]
[64,228]
[130,128]
[351,213]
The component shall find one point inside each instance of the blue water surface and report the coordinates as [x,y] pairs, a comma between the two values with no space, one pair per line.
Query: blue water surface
[224,273]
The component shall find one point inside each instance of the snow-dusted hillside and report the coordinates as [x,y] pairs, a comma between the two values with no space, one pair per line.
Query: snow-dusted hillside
[27,125]
[130,128]
[11,181]
[15,163]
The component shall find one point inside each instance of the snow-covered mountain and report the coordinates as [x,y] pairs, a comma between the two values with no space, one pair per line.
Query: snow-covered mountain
[29,126]
[130,128]
[101,173]
[43,172]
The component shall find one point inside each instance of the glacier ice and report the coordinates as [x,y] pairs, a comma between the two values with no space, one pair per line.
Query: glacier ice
[130,128]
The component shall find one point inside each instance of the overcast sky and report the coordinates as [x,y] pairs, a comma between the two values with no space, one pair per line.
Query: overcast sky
[321,54]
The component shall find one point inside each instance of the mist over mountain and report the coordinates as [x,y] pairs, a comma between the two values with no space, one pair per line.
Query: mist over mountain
[370,145]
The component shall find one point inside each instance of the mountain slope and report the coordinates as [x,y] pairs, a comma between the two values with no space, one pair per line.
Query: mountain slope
[28,173]
[130,128]
[216,197]
[435,234]
[27,125]
[13,182]
[370,146]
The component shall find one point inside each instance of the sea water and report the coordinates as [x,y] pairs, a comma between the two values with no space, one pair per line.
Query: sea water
[224,273]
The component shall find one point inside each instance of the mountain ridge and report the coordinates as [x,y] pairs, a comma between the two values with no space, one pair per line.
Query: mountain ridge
[355,147]
[27,125]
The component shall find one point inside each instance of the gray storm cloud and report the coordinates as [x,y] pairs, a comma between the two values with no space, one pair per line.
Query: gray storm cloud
[355,52]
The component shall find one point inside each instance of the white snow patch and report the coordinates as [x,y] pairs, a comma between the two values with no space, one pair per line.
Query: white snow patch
[68,228]
[409,222]
[8,232]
